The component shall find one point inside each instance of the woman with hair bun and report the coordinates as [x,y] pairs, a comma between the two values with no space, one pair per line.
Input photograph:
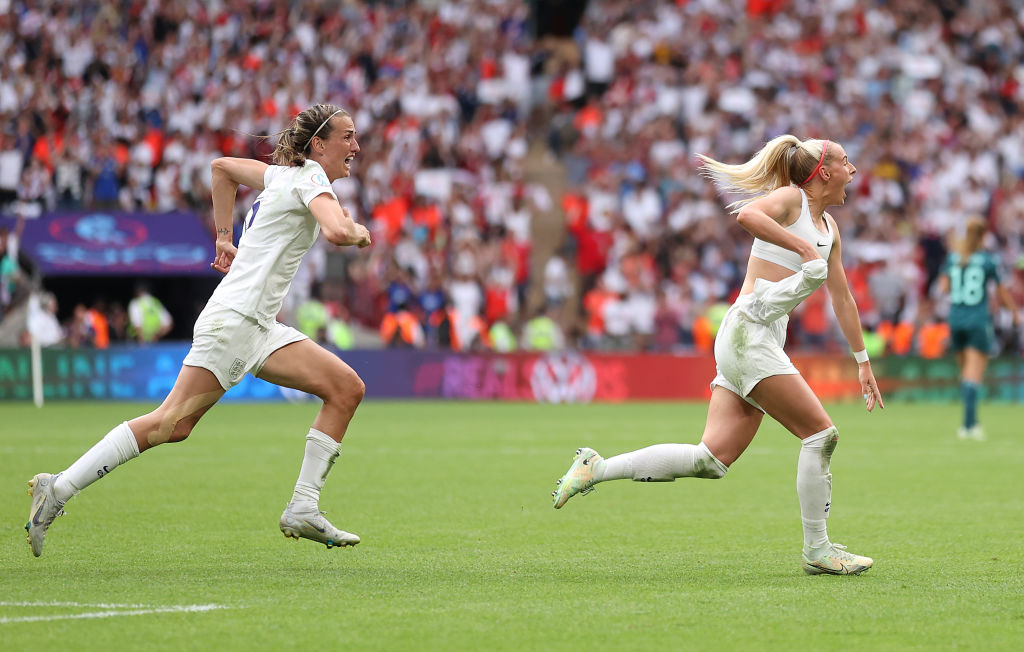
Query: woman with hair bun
[237,331]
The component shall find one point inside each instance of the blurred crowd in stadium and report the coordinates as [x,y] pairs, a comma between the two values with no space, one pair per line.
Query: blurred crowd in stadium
[533,192]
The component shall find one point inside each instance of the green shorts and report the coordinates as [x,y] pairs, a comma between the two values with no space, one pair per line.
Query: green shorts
[979,338]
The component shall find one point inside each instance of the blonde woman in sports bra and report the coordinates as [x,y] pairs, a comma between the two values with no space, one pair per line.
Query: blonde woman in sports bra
[797,248]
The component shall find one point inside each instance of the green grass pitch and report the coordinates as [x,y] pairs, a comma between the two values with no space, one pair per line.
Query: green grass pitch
[461,549]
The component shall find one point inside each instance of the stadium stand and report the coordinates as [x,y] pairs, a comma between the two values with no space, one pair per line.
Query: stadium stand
[488,147]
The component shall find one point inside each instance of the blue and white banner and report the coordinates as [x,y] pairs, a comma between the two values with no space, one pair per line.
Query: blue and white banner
[106,244]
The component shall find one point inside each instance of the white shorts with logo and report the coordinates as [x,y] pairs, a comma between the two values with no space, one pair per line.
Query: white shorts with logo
[229,344]
[750,340]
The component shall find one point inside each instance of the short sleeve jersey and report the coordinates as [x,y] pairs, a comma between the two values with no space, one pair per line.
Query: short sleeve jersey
[278,231]
[968,288]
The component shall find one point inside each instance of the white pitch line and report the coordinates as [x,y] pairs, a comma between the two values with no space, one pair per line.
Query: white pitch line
[190,608]
[90,605]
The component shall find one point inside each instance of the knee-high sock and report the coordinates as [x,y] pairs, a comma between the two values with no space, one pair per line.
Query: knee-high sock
[969,391]
[321,451]
[662,463]
[117,447]
[814,484]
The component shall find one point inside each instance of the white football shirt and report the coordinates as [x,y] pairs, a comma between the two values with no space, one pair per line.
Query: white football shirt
[278,231]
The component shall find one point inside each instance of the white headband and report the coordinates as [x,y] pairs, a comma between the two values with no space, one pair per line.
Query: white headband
[322,126]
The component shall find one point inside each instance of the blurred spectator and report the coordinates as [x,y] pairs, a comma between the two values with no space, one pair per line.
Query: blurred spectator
[557,282]
[308,281]
[474,334]
[933,339]
[69,173]
[444,325]
[107,175]
[401,329]
[35,195]
[10,275]
[501,301]
[618,323]
[502,337]
[42,321]
[338,334]
[399,290]
[88,328]
[593,303]
[667,319]
[148,320]
[810,322]
[311,318]
[431,303]
[117,321]
[467,297]
[543,332]
[12,162]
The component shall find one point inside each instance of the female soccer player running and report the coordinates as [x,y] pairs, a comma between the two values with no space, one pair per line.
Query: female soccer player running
[237,331]
[965,277]
[796,248]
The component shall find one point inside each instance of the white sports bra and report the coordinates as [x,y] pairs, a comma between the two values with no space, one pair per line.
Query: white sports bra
[803,227]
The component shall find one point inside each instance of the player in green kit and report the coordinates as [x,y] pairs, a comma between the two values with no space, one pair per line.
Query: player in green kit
[966,276]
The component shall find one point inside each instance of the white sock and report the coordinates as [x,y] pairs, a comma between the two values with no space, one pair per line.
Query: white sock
[662,463]
[117,447]
[814,484]
[321,451]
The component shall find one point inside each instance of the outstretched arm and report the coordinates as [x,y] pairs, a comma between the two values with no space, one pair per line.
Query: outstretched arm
[848,316]
[228,174]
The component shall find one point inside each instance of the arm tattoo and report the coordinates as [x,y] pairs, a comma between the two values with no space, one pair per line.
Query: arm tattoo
[223,231]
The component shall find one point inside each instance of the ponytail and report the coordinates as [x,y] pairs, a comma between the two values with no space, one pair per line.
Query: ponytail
[784,160]
[973,238]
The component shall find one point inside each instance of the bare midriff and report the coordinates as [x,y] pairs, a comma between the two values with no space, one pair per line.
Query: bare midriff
[759,268]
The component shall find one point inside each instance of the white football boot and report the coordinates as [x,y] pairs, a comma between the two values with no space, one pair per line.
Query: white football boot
[300,523]
[579,479]
[832,559]
[45,508]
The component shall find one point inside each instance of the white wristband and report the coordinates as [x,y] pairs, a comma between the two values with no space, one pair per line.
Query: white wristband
[861,356]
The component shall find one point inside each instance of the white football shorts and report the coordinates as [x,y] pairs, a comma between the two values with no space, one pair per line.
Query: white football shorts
[750,340]
[229,344]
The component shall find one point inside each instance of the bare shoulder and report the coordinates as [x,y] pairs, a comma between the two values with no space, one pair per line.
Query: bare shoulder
[787,193]
[782,204]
